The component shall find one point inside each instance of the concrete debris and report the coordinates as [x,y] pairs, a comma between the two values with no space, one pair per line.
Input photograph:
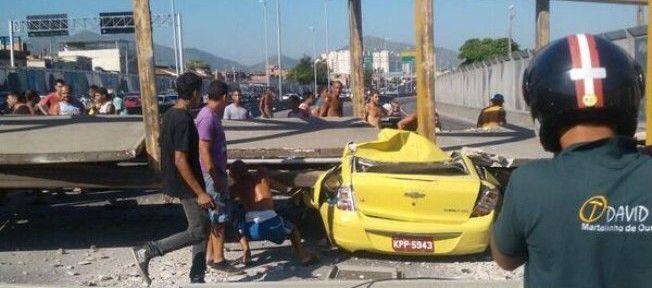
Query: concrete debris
[104,278]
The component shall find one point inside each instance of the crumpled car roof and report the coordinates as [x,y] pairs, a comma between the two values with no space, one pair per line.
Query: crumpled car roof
[398,146]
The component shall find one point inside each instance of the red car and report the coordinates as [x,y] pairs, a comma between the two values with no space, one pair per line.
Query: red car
[131,102]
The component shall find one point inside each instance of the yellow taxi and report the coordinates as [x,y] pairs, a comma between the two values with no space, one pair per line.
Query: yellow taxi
[401,194]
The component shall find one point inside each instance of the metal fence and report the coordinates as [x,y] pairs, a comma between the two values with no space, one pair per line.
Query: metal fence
[42,80]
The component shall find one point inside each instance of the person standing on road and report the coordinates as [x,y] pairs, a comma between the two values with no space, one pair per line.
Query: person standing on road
[67,106]
[235,111]
[581,219]
[493,116]
[212,157]
[266,104]
[49,102]
[373,111]
[182,178]
[322,92]
[102,103]
[332,105]
[17,104]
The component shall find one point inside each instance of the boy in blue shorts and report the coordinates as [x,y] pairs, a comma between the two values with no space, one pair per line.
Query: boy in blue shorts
[261,221]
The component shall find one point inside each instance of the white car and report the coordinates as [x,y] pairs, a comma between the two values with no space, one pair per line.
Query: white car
[287,96]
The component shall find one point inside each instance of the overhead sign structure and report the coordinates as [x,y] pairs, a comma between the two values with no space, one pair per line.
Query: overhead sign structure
[116,22]
[47,25]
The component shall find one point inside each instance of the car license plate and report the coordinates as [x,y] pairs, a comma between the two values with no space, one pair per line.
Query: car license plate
[410,244]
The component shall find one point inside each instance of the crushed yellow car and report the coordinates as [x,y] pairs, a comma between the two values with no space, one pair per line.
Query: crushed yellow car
[401,194]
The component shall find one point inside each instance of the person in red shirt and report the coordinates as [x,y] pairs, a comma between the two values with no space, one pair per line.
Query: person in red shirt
[49,102]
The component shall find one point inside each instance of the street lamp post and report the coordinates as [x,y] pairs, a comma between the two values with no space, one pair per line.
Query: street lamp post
[314,59]
[176,43]
[278,47]
[328,50]
[264,2]
[511,15]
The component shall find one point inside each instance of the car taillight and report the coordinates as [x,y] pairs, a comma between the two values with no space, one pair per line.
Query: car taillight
[487,201]
[345,199]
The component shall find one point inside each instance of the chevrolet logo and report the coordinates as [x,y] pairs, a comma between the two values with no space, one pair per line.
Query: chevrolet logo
[414,195]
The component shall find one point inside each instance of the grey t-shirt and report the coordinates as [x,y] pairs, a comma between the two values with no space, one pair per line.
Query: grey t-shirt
[232,112]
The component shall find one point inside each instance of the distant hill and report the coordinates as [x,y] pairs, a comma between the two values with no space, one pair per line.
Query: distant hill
[445,57]
[164,55]
[286,62]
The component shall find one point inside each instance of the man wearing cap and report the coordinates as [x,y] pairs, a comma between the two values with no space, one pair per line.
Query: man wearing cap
[493,116]
[582,218]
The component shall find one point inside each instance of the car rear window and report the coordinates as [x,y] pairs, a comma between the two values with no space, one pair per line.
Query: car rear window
[455,167]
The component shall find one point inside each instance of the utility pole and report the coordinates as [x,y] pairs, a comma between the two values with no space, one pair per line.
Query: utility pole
[314,59]
[145,51]
[509,37]
[543,23]
[11,44]
[176,42]
[264,2]
[640,16]
[355,44]
[278,48]
[328,49]
[648,80]
[182,65]
[425,69]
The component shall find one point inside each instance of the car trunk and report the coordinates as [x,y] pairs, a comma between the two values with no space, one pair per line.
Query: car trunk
[434,192]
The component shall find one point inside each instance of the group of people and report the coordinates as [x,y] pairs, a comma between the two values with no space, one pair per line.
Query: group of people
[61,102]
[194,170]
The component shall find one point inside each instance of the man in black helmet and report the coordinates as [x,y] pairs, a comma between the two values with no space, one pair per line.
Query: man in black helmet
[581,219]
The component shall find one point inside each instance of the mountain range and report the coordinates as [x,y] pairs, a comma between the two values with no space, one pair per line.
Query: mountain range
[164,55]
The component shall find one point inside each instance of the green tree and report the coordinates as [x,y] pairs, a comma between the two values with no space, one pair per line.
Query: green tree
[474,50]
[303,72]
[368,76]
[196,63]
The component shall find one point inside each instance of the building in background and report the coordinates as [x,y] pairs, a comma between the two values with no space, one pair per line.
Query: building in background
[114,56]
[63,63]
[385,61]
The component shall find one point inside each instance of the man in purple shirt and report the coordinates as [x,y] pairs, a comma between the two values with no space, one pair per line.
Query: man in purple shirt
[212,157]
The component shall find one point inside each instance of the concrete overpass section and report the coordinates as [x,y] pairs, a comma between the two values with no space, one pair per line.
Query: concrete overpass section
[107,151]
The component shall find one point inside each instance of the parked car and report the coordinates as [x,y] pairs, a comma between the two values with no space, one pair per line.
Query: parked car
[287,96]
[401,194]
[132,103]
[165,101]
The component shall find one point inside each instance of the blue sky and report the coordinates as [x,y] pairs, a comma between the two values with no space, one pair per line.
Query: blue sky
[234,28]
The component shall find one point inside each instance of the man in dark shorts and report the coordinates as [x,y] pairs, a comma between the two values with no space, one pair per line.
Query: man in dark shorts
[582,218]
[182,178]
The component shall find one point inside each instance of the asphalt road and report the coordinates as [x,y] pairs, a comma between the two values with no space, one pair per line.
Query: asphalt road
[84,239]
